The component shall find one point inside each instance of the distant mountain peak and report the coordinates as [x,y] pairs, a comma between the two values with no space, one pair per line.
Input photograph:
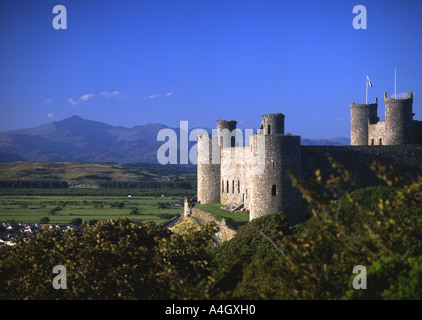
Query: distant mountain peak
[78,139]
[75,116]
[72,118]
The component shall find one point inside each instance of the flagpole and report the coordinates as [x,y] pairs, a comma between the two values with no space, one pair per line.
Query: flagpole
[367,90]
[395,83]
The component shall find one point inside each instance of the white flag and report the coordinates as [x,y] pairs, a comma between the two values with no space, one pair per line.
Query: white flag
[369,81]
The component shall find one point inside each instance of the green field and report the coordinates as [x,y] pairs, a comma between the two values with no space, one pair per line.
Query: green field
[31,208]
[86,199]
[234,219]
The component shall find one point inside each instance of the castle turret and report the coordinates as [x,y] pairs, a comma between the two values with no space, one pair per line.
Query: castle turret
[208,168]
[398,119]
[272,189]
[361,115]
[226,131]
[273,123]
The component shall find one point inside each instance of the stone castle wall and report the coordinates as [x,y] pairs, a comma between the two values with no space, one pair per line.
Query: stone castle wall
[398,120]
[208,171]
[233,175]
[376,133]
[272,187]
[406,159]
[224,233]
[361,115]
[417,132]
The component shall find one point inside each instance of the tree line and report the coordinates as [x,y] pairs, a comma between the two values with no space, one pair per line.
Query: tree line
[44,184]
[169,185]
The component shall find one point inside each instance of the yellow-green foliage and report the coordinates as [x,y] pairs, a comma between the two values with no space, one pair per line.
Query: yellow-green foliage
[379,228]
[114,259]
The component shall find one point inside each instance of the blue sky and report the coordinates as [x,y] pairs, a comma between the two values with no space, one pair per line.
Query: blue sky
[164,61]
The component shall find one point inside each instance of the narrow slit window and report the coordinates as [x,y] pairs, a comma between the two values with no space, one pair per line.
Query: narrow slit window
[380,141]
[238,186]
[232,186]
[372,142]
[274,190]
[269,129]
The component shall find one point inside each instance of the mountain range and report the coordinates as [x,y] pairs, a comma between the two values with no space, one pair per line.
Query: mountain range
[79,140]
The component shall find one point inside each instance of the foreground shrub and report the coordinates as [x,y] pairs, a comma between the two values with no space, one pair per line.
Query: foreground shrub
[113,259]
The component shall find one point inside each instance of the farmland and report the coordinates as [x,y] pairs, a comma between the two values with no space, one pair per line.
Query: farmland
[98,191]
[63,209]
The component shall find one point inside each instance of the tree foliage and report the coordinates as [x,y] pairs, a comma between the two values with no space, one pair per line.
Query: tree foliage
[379,228]
[167,185]
[45,184]
[113,259]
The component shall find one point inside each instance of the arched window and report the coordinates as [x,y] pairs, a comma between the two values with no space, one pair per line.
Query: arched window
[380,141]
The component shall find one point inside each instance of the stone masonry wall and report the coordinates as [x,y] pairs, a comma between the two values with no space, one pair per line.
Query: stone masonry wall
[208,188]
[407,159]
[417,132]
[272,190]
[398,119]
[233,181]
[225,233]
[376,133]
[360,116]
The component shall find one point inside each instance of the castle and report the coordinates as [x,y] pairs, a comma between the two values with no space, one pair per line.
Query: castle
[399,128]
[256,177]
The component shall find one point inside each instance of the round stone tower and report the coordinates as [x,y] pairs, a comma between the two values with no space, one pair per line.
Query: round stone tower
[272,190]
[273,123]
[208,169]
[361,115]
[226,131]
[398,119]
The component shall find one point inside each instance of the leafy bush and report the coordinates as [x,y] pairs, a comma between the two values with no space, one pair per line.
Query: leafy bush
[379,228]
[76,221]
[134,211]
[45,220]
[113,259]
[251,253]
